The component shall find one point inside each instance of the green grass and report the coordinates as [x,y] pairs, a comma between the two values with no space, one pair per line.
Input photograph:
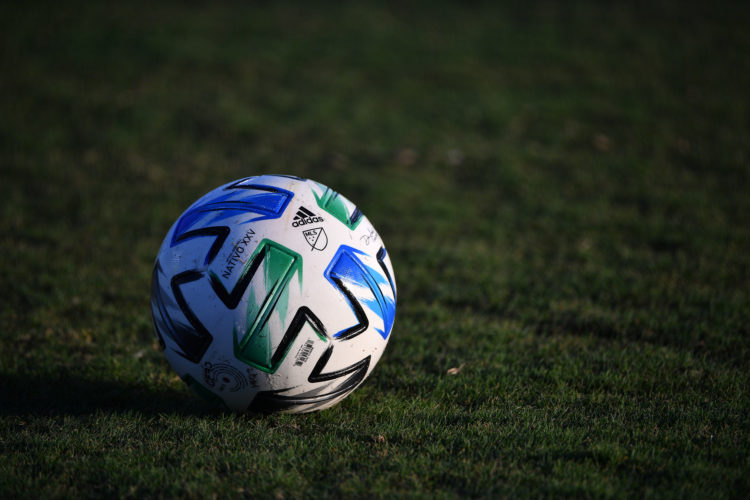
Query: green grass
[564,192]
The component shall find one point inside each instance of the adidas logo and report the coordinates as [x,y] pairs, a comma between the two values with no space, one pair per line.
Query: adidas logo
[304,216]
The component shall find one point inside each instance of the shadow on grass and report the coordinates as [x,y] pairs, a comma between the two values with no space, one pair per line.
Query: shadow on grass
[75,395]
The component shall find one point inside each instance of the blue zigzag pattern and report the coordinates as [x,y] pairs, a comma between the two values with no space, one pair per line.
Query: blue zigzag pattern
[349,274]
[268,202]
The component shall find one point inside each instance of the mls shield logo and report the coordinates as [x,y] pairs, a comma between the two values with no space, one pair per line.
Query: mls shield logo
[316,238]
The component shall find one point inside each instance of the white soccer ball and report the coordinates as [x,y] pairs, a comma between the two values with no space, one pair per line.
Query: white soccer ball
[273,293]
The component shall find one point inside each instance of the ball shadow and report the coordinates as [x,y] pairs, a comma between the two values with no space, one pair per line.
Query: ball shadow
[68,394]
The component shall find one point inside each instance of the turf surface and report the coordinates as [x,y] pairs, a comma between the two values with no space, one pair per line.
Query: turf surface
[564,192]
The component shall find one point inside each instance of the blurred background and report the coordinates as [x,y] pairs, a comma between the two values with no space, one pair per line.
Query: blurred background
[583,144]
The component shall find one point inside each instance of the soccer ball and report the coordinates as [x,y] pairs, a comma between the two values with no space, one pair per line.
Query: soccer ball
[273,294]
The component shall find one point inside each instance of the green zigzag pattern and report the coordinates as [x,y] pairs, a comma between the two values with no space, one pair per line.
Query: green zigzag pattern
[331,202]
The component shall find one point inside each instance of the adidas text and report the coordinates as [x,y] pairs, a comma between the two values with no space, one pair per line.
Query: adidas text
[306,220]
[304,216]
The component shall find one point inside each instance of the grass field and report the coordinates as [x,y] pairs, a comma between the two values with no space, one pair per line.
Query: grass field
[564,192]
